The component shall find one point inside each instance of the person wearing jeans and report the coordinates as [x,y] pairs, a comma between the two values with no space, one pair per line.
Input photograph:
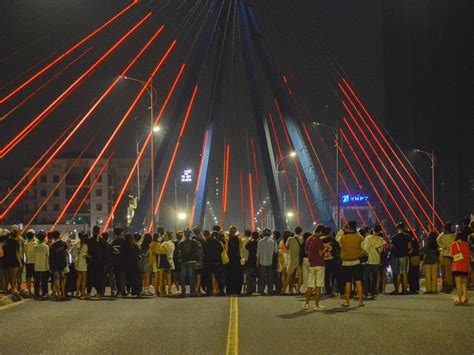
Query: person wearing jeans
[266,249]
[187,273]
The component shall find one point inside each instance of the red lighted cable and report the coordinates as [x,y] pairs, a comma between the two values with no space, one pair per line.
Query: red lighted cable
[20,136]
[66,53]
[81,122]
[374,123]
[175,151]
[283,163]
[300,177]
[114,133]
[343,155]
[382,164]
[374,168]
[415,198]
[45,84]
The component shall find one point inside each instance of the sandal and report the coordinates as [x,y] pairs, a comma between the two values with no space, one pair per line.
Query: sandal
[345,305]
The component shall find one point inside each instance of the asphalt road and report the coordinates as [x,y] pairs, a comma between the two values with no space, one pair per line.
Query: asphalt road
[266,325]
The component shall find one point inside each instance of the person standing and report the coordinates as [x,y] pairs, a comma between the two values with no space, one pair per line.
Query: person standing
[58,260]
[332,274]
[97,248]
[234,277]
[117,259]
[314,249]
[267,249]
[430,263]
[213,264]
[80,263]
[445,239]
[41,268]
[187,250]
[293,243]
[373,246]
[460,252]
[168,246]
[351,254]
[12,260]
[304,261]
[414,270]
[131,255]
[401,245]
[29,257]
[245,256]
[251,265]
[146,264]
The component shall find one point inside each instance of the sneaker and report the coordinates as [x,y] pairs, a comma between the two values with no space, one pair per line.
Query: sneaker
[306,305]
[319,308]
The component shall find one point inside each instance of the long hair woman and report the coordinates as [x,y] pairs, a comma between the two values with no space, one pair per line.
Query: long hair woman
[146,267]
[80,264]
[234,277]
[168,245]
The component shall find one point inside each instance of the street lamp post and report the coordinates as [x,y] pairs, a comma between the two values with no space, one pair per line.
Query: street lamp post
[150,89]
[335,131]
[432,157]
[278,162]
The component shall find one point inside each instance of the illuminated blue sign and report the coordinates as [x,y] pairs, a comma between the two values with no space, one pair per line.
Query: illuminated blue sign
[358,200]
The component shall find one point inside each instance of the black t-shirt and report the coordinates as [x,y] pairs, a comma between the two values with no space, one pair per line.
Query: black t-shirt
[58,256]
[252,248]
[212,252]
[11,249]
[400,242]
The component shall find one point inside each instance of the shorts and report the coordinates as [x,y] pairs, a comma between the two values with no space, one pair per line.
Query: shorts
[355,272]
[30,271]
[293,265]
[316,276]
[403,265]
[59,276]
[460,274]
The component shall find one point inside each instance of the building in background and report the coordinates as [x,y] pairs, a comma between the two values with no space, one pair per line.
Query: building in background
[97,204]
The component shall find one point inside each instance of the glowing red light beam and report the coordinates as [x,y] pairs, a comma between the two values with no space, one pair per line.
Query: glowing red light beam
[374,123]
[91,187]
[343,155]
[76,128]
[141,153]
[333,194]
[51,193]
[193,209]
[252,215]
[242,205]
[384,167]
[415,198]
[45,154]
[45,84]
[380,177]
[66,53]
[67,92]
[176,148]
[295,162]
[283,163]
[114,133]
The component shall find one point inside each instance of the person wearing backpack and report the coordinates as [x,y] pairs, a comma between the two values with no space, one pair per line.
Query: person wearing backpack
[58,258]
[187,250]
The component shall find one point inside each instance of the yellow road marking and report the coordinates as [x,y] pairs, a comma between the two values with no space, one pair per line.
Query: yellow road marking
[14,304]
[233,330]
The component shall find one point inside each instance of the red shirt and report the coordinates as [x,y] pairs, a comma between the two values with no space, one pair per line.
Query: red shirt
[314,248]
[464,264]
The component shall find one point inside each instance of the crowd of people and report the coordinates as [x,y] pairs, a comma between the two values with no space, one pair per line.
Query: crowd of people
[353,262]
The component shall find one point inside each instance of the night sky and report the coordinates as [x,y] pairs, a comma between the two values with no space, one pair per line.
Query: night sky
[308,40]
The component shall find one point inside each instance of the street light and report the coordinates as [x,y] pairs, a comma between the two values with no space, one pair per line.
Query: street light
[432,157]
[289,216]
[280,160]
[150,89]
[181,216]
[335,131]
[293,155]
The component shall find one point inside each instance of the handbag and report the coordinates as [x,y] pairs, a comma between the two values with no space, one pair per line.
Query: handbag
[224,256]
[458,256]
